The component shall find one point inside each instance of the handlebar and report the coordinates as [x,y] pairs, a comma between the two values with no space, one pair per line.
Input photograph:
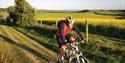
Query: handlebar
[77,42]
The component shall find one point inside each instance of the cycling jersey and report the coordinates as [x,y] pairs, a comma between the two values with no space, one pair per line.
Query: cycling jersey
[64,28]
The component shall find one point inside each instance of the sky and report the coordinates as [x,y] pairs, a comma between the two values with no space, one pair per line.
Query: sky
[71,4]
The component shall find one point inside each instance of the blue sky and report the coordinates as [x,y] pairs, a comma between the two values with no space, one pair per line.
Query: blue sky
[70,4]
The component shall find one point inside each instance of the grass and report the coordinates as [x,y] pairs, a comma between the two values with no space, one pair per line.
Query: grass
[43,35]
[38,43]
[101,24]
[9,54]
[106,30]
[20,46]
[115,29]
[99,49]
[75,15]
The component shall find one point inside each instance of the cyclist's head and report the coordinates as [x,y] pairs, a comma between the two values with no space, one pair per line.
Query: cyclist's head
[70,19]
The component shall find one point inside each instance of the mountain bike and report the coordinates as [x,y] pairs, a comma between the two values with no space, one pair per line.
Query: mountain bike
[72,55]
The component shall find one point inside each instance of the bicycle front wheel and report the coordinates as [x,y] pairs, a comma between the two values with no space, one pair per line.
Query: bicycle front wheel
[83,59]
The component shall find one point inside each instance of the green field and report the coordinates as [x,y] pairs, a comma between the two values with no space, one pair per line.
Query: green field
[37,44]
[99,49]
[101,20]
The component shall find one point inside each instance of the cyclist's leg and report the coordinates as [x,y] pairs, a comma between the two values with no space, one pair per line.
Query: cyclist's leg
[70,39]
[62,46]
[62,51]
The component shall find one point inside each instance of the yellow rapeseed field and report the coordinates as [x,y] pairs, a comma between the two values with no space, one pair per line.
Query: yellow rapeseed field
[92,18]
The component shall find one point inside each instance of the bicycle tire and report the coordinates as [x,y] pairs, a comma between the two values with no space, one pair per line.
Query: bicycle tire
[83,59]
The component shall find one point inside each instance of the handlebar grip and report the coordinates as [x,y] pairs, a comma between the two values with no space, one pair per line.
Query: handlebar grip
[83,41]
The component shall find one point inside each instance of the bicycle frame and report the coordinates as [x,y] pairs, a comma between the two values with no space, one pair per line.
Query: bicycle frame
[77,52]
[72,54]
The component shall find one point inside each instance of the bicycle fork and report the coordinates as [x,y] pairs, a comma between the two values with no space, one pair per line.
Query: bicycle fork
[78,54]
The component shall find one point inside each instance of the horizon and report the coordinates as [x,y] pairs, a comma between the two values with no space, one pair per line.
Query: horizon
[71,5]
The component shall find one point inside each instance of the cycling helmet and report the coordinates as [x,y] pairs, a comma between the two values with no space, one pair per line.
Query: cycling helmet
[70,19]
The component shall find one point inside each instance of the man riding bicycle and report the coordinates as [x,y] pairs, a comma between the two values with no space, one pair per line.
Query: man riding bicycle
[63,35]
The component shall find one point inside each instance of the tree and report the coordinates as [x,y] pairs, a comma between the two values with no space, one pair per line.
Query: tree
[9,19]
[23,14]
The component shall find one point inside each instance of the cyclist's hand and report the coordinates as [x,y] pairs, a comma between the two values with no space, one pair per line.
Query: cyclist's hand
[65,41]
[83,41]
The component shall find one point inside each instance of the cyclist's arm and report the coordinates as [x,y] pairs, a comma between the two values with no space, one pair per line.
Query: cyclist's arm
[61,27]
[78,32]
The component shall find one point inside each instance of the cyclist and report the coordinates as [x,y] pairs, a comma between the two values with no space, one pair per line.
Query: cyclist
[63,35]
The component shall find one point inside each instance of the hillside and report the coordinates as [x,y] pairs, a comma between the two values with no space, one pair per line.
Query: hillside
[37,44]
[18,48]
[99,49]
[30,47]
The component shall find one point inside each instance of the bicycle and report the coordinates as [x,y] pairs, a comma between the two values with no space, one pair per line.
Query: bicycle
[72,55]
